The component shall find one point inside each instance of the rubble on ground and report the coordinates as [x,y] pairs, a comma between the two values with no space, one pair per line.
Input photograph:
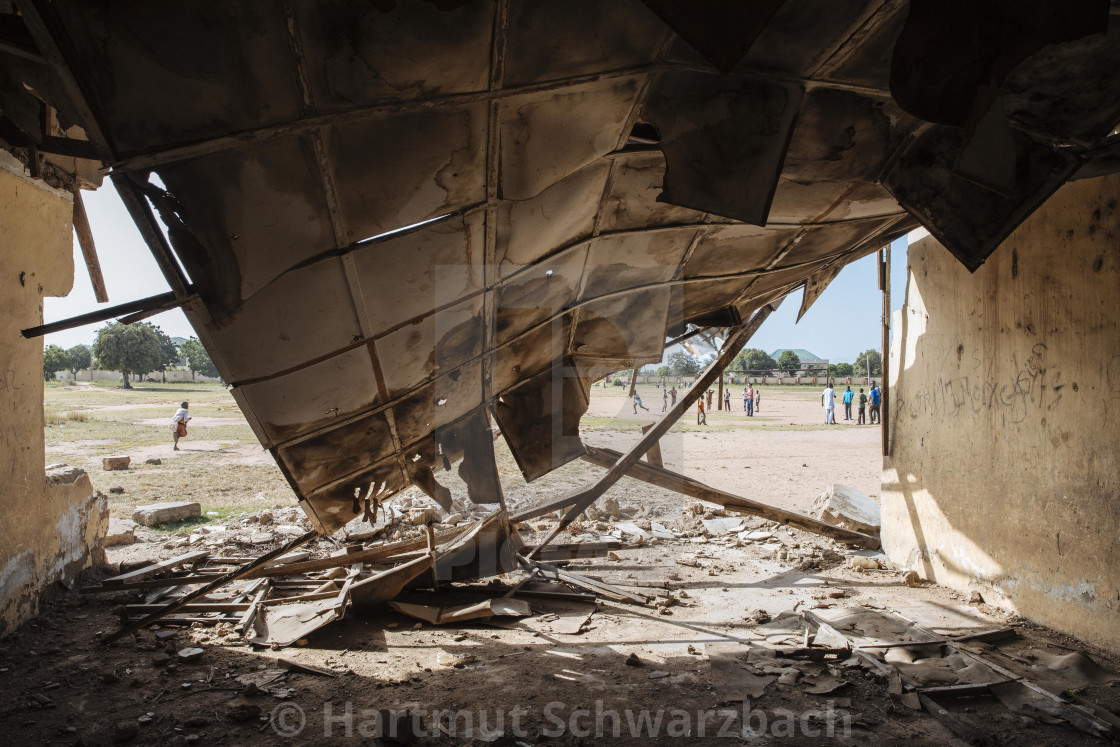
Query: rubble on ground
[848,508]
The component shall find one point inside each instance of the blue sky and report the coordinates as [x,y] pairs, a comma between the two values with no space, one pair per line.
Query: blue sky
[840,325]
[845,320]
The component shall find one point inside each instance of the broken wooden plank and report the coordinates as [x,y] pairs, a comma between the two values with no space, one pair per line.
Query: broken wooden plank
[295,666]
[369,555]
[679,483]
[737,337]
[197,607]
[246,619]
[177,620]
[217,583]
[154,568]
[188,579]
[596,587]
[580,550]
[960,691]
[89,249]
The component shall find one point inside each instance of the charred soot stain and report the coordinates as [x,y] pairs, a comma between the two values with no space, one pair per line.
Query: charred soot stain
[960,352]
[1014,263]
[1098,263]
[1075,386]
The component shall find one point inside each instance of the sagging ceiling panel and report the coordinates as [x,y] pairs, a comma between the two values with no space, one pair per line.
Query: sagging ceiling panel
[404,218]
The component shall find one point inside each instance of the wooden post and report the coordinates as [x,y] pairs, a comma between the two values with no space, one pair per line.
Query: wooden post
[89,249]
[885,269]
[720,394]
[580,500]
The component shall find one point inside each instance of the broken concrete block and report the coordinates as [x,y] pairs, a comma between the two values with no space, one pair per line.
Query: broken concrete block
[190,654]
[121,532]
[111,463]
[845,507]
[161,513]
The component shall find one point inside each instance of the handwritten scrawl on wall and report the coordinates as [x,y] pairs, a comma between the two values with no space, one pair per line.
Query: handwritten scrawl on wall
[1035,388]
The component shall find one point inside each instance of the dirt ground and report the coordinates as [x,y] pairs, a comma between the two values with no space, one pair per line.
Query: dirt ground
[695,668]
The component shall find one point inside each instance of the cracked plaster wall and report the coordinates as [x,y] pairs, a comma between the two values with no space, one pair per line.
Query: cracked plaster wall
[54,523]
[1004,472]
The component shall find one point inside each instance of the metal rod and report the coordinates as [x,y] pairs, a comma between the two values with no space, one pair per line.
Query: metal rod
[685,336]
[584,498]
[163,302]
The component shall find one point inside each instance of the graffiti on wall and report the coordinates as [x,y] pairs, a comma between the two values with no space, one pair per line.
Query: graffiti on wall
[1035,388]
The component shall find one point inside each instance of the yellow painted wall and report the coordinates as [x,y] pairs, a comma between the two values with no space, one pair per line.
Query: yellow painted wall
[1004,474]
[52,525]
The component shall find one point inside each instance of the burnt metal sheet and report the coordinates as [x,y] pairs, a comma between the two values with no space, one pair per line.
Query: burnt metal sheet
[404,219]
[724,140]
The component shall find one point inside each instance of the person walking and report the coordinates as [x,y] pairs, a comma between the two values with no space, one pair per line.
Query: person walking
[638,403]
[746,398]
[727,399]
[179,423]
[758,400]
[828,402]
[701,416]
[673,397]
[848,396]
[750,401]
[664,399]
[876,402]
[862,408]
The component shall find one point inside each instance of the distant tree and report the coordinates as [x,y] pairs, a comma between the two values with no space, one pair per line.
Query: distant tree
[869,359]
[168,351]
[78,357]
[198,360]
[662,371]
[127,348]
[754,359]
[788,361]
[54,360]
[683,364]
[842,369]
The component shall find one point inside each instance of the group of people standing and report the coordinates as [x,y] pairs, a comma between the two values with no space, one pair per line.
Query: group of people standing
[874,399]
[752,400]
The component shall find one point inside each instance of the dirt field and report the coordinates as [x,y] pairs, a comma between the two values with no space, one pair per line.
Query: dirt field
[694,664]
[784,455]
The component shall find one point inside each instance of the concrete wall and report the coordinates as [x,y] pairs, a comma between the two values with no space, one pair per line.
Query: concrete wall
[172,375]
[52,523]
[1004,472]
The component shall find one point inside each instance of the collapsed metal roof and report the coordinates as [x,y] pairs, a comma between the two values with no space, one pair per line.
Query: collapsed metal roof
[396,218]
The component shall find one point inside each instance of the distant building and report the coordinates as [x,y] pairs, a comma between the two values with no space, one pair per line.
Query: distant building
[808,360]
